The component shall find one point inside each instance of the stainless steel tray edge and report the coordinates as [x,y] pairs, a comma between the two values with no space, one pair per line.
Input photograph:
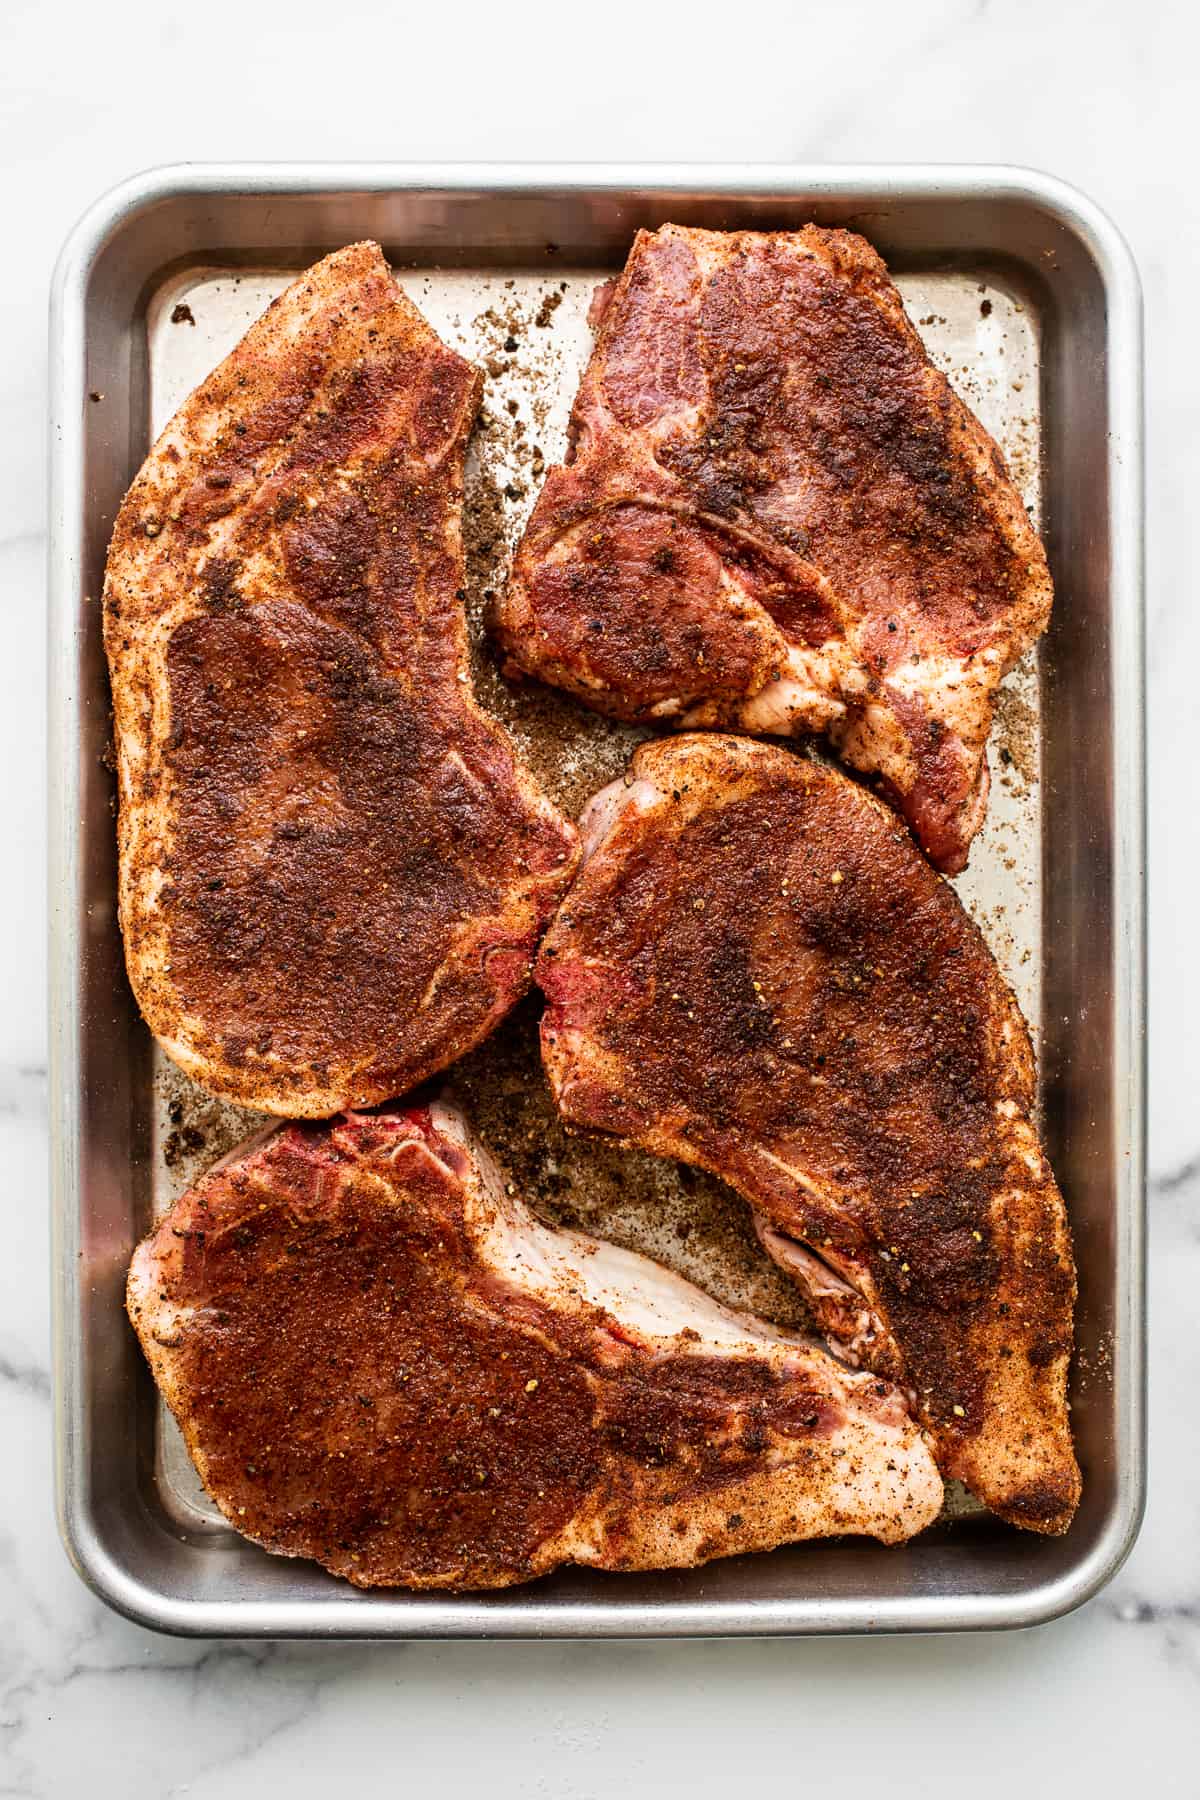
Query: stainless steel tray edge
[107,1538]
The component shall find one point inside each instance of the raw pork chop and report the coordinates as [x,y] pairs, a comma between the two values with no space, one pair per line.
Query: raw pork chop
[757,972]
[381,1360]
[777,514]
[333,872]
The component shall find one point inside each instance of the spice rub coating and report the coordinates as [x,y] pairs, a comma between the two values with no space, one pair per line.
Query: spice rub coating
[333,871]
[777,514]
[757,972]
[380,1360]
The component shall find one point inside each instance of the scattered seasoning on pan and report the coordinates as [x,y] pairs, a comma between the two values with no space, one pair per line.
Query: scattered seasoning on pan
[571,751]
[686,1220]
[1016,735]
[551,301]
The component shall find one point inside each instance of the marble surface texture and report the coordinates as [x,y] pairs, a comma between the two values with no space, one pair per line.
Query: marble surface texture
[1105,95]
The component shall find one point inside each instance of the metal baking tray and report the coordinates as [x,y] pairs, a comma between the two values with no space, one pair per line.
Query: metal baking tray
[1027,296]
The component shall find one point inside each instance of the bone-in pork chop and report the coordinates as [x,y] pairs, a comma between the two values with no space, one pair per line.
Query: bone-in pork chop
[756,971]
[777,514]
[333,872]
[381,1360]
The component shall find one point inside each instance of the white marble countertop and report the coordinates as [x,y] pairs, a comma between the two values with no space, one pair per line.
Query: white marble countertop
[1102,94]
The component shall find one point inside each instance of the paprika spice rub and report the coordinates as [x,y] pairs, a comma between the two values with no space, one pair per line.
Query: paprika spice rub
[380,1360]
[333,869]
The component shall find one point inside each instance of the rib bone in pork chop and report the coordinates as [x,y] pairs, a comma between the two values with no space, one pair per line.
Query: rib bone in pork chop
[777,514]
[333,872]
[382,1361]
[756,971]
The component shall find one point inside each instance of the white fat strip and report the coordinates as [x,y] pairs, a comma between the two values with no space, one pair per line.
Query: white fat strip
[949,690]
[604,808]
[146,1295]
[644,1297]
[800,698]
[819,1282]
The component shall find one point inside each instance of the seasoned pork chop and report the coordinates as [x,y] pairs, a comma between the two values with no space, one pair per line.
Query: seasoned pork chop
[381,1360]
[757,972]
[777,514]
[333,872]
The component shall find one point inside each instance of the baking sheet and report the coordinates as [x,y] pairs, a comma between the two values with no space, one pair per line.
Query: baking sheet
[1001,229]
[527,329]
